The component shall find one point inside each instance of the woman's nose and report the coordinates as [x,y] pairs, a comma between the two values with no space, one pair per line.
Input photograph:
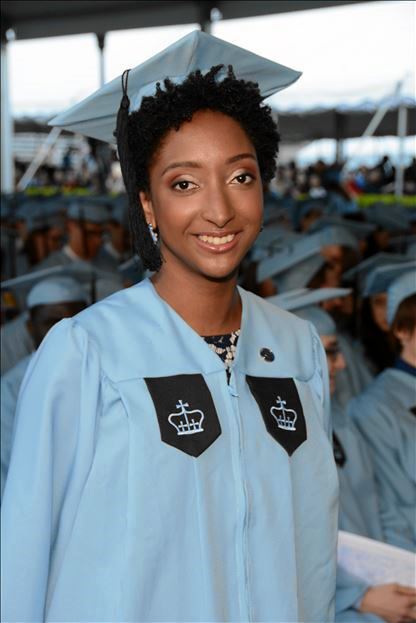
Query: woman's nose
[218,207]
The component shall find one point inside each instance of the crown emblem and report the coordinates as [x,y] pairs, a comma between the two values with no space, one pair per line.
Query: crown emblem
[186,422]
[285,418]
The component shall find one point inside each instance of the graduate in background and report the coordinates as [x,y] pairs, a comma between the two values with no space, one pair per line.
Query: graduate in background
[179,468]
[385,413]
[48,302]
[360,510]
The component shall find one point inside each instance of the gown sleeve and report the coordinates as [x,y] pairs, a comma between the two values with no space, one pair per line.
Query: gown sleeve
[320,381]
[52,454]
[374,421]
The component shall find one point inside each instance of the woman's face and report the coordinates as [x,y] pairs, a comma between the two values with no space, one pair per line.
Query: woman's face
[205,196]
[378,306]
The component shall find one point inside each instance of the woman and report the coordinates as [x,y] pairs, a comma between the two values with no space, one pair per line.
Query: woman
[385,414]
[160,481]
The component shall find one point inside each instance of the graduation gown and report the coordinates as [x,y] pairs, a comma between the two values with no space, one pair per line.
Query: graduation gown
[385,415]
[16,342]
[147,488]
[357,375]
[10,385]
[359,508]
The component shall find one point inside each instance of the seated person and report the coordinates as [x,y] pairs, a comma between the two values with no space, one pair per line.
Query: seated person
[48,302]
[360,507]
[385,415]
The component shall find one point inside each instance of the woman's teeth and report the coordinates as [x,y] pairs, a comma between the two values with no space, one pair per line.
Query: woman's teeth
[216,239]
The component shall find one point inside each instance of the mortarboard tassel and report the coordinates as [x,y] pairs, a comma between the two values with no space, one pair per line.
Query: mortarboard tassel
[142,242]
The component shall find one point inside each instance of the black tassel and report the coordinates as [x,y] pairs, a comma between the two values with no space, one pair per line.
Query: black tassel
[142,241]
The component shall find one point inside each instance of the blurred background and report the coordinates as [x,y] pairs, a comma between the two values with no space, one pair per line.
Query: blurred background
[354,105]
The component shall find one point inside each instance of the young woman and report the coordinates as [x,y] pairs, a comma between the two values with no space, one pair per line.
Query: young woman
[171,458]
[386,415]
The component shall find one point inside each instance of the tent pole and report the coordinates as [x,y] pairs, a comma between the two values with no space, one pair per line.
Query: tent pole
[101,46]
[7,163]
[39,158]
[401,135]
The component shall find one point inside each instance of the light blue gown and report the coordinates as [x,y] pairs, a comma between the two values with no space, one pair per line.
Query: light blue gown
[356,376]
[384,417]
[111,513]
[10,385]
[359,510]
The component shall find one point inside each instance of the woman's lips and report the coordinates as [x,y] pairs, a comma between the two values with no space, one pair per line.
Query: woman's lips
[219,243]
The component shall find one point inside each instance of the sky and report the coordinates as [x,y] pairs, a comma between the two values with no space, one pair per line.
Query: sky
[346,54]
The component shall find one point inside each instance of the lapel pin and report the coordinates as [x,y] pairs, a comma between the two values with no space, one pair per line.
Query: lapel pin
[267,354]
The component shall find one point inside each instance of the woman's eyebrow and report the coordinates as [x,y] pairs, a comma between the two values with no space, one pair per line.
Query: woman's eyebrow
[197,165]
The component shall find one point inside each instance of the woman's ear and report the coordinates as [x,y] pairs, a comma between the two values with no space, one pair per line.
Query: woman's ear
[403,335]
[147,205]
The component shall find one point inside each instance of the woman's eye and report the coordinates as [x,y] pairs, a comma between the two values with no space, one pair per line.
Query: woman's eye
[244,178]
[183,185]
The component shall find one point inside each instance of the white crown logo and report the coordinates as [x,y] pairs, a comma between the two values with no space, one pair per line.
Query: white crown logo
[285,418]
[186,422]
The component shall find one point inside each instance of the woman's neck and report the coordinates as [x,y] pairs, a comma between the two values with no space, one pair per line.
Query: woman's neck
[209,307]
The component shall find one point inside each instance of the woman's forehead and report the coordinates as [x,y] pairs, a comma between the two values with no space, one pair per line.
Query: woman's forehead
[209,134]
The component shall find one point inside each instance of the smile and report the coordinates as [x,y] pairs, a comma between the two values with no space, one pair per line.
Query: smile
[216,239]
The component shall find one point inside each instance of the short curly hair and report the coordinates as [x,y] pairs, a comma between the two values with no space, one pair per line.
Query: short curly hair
[168,109]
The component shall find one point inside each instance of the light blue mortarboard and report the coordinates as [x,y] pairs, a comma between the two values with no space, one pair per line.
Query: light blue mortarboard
[300,274]
[96,116]
[304,303]
[322,321]
[360,273]
[305,297]
[56,290]
[102,282]
[381,277]
[334,234]
[359,229]
[290,257]
[89,211]
[399,290]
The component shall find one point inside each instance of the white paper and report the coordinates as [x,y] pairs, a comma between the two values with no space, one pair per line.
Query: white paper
[375,562]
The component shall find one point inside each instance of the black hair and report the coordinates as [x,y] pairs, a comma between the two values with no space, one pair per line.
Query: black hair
[139,135]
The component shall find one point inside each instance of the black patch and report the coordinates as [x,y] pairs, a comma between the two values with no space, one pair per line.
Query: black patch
[281,409]
[185,411]
[413,410]
[339,452]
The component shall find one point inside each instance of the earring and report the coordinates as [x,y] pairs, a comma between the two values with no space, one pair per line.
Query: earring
[153,233]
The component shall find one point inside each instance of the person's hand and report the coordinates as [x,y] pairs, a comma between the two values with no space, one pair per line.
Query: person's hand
[393,603]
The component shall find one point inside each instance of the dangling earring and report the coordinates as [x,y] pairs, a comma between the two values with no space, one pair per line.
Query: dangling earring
[153,233]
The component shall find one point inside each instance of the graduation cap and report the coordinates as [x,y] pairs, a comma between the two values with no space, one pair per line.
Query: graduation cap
[335,235]
[399,290]
[357,228]
[380,278]
[305,297]
[300,274]
[322,321]
[99,283]
[290,257]
[56,290]
[304,303]
[96,116]
[91,211]
[364,268]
